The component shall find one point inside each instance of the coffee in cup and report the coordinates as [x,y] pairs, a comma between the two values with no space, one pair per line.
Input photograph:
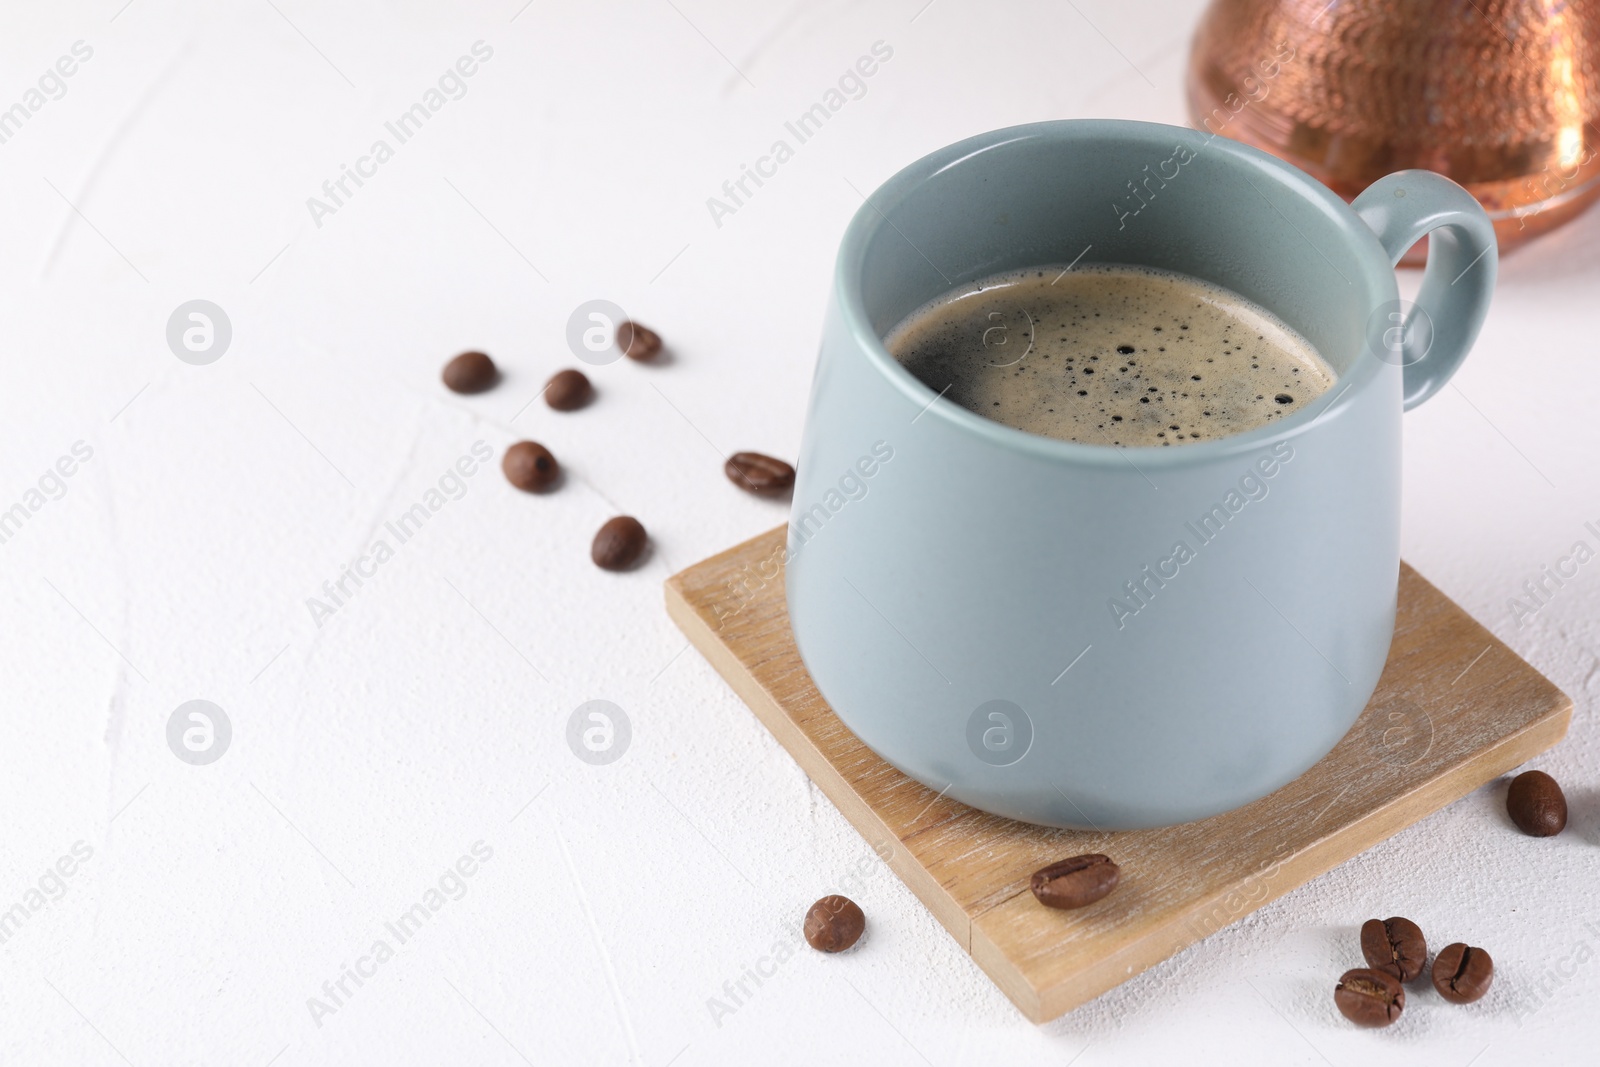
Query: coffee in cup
[1106,354]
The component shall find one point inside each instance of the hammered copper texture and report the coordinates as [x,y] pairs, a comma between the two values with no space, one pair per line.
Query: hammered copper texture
[1502,96]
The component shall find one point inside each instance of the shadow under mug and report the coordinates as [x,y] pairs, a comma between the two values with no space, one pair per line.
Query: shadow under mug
[1099,637]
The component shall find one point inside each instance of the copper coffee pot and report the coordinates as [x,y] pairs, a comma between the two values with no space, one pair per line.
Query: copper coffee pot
[1500,95]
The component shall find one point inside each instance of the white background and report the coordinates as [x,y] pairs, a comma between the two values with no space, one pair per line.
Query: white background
[425,715]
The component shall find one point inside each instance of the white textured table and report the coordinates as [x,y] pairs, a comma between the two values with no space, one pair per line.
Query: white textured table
[400,774]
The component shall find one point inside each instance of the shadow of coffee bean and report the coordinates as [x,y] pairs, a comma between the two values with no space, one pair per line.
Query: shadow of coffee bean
[1583,814]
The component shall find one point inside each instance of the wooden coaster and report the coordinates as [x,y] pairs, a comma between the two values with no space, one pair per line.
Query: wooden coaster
[1455,708]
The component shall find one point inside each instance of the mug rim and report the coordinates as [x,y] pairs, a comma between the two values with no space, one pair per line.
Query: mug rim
[872,215]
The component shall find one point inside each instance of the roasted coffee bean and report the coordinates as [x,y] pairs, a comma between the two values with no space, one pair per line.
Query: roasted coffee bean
[1536,804]
[1461,973]
[1395,945]
[470,372]
[638,342]
[568,390]
[619,544]
[1075,882]
[1369,997]
[756,473]
[834,923]
[530,467]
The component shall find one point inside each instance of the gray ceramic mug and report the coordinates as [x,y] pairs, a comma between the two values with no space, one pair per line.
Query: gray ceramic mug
[1102,637]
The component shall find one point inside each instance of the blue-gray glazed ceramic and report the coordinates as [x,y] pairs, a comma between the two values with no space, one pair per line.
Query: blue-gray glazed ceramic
[1102,637]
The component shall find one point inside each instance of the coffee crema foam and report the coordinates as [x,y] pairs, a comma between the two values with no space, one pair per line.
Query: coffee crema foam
[1112,355]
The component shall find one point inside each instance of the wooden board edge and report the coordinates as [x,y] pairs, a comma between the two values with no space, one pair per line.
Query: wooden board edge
[1044,1002]
[682,577]
[856,811]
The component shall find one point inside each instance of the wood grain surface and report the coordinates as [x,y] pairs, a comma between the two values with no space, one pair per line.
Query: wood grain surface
[1454,708]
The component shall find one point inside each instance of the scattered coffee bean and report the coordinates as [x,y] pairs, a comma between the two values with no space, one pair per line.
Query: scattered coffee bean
[1369,997]
[530,467]
[834,923]
[1075,882]
[1394,945]
[619,544]
[1536,804]
[470,372]
[757,473]
[638,342]
[568,390]
[1461,973]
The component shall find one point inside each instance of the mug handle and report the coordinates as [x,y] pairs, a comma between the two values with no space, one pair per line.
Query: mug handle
[1438,330]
